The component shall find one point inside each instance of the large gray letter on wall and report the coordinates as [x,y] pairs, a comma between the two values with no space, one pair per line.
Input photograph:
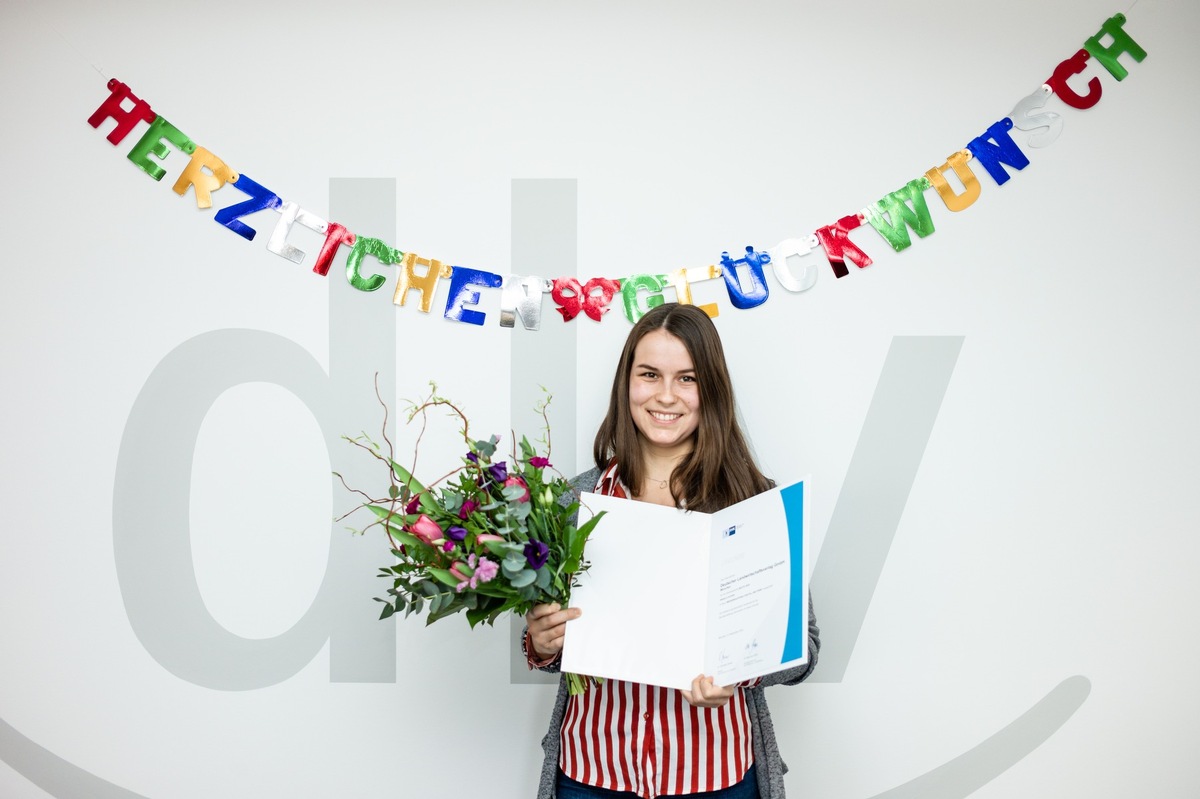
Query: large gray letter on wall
[151,535]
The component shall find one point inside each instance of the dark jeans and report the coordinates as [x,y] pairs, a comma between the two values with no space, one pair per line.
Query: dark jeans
[570,789]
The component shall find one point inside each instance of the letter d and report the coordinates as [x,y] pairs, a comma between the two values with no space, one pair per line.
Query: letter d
[152,491]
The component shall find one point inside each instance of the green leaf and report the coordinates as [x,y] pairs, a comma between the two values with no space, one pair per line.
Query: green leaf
[452,501]
[492,590]
[543,578]
[586,528]
[406,538]
[523,579]
[443,576]
[385,513]
[448,610]
[388,610]
[512,493]
[406,478]
[501,548]
[393,492]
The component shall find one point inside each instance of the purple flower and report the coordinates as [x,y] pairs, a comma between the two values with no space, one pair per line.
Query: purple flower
[536,554]
[538,462]
[472,457]
[456,534]
[468,507]
[499,472]
[448,546]
[413,505]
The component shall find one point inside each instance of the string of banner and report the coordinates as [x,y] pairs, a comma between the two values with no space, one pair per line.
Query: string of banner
[892,216]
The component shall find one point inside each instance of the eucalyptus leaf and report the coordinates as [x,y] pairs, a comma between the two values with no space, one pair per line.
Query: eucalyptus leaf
[498,548]
[513,493]
[523,579]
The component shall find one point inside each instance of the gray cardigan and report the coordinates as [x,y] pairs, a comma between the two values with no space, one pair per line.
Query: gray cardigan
[771,767]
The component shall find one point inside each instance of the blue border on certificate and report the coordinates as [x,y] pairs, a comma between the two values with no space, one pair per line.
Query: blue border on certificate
[797,637]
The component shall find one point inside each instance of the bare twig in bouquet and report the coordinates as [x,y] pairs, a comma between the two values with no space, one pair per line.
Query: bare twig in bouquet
[489,537]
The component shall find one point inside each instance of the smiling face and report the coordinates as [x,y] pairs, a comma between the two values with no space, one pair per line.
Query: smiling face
[664,397]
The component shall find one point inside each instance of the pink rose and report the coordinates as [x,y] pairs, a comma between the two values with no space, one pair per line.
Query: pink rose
[517,481]
[427,530]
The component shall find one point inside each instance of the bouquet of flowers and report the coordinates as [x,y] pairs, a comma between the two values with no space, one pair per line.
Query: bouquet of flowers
[490,536]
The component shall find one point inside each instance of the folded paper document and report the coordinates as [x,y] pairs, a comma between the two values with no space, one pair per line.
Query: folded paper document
[672,594]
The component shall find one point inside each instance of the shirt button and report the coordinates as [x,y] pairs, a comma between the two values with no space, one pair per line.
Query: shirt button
[646,716]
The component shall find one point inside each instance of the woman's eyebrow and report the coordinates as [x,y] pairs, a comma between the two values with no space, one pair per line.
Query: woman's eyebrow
[656,369]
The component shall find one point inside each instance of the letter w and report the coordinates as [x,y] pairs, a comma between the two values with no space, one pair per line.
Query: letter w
[892,216]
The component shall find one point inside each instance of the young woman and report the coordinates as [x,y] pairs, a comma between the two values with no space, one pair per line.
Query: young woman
[670,437]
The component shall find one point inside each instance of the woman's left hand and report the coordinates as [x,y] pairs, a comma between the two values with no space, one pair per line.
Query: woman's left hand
[705,694]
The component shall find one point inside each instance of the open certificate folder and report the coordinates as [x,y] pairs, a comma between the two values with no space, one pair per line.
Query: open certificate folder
[673,594]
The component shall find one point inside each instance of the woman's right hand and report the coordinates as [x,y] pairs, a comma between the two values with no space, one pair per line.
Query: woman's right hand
[547,626]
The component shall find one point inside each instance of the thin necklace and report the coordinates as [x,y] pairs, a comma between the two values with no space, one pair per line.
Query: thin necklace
[661,483]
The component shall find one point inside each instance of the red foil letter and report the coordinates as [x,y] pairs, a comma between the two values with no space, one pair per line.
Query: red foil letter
[1058,81]
[336,236]
[569,305]
[595,305]
[126,119]
[835,239]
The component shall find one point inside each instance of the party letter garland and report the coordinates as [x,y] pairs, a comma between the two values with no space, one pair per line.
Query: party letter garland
[894,216]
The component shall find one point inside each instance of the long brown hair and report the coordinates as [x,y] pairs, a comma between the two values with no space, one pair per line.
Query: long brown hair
[719,471]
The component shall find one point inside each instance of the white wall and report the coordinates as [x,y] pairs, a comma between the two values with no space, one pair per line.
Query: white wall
[1049,533]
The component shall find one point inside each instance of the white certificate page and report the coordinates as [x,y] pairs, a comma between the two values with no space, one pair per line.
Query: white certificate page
[672,594]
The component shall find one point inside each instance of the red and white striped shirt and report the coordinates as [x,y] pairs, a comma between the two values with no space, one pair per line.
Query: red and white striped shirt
[626,736]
